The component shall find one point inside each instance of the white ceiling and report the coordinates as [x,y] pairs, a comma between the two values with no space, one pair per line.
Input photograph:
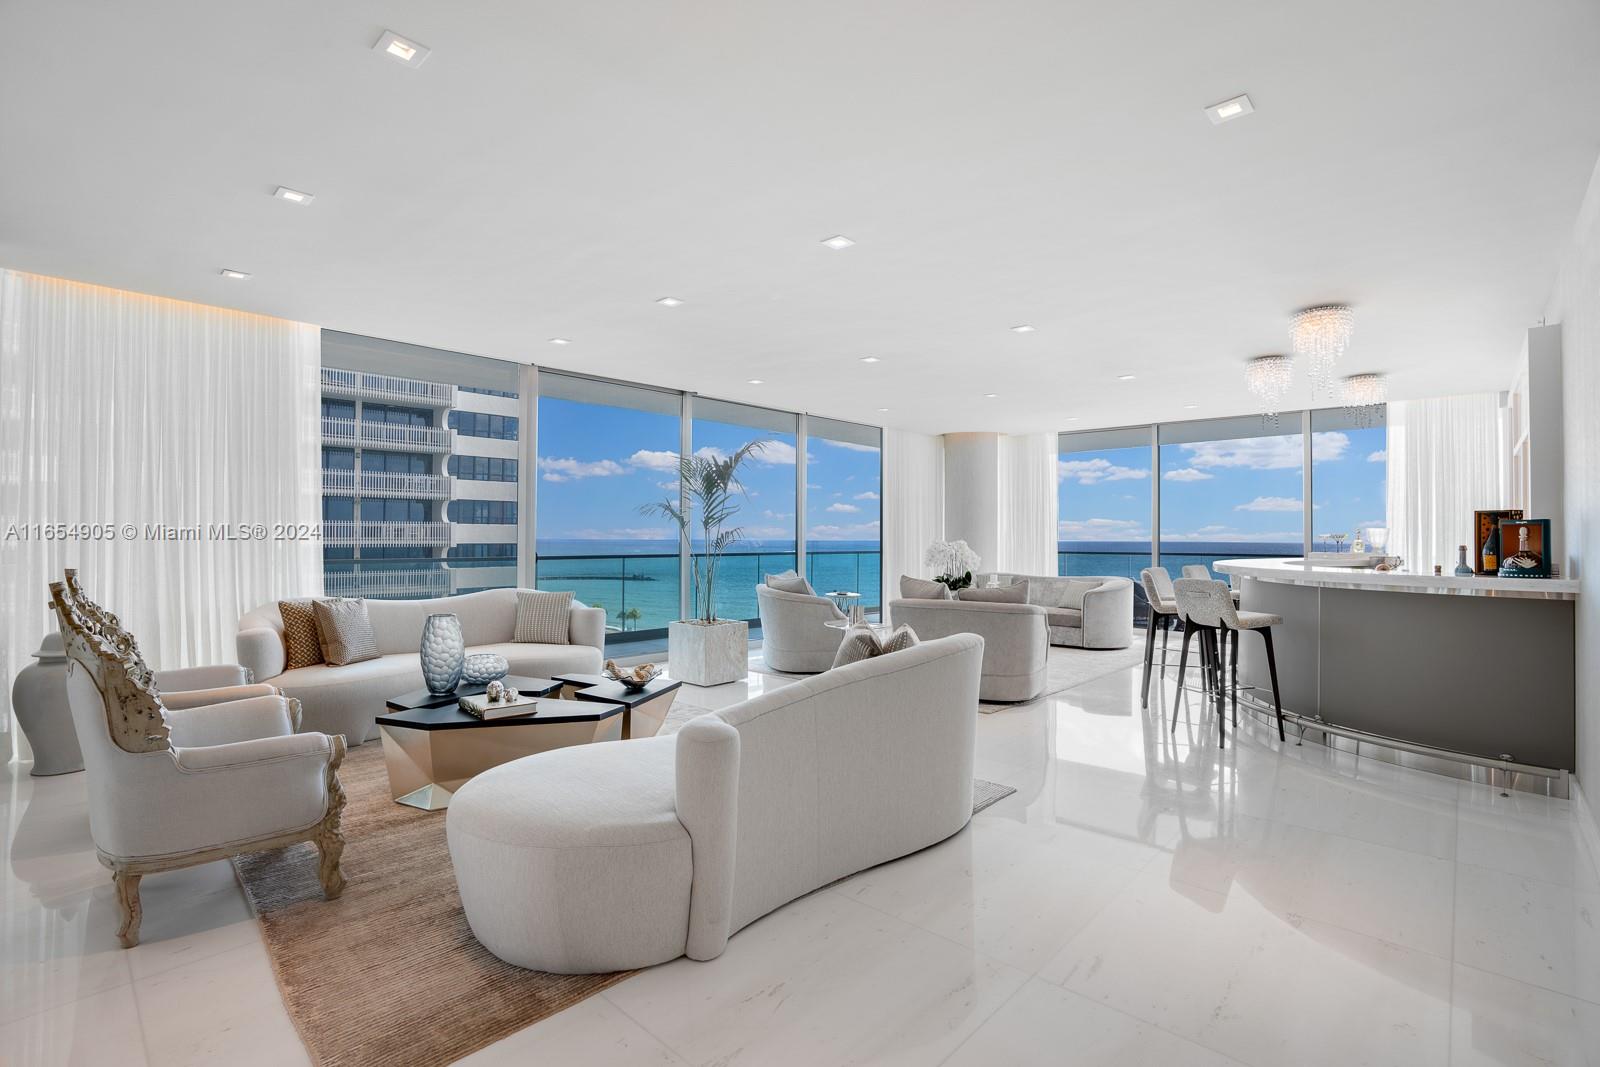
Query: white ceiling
[554,168]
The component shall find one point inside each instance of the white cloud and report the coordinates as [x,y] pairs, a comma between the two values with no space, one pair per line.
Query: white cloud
[563,470]
[710,452]
[865,531]
[1380,456]
[633,533]
[775,454]
[1187,474]
[777,516]
[672,486]
[651,459]
[1267,453]
[868,495]
[842,508]
[1271,503]
[1094,471]
[1102,530]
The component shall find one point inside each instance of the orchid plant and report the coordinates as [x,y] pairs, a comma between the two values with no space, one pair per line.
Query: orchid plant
[953,563]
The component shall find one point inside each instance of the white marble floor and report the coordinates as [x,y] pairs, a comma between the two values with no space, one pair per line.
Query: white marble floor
[1143,898]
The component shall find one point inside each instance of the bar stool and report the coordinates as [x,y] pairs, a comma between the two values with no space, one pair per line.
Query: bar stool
[1207,608]
[1200,570]
[1163,611]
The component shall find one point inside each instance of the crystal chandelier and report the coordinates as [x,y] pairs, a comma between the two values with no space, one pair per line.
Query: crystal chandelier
[1268,377]
[1320,335]
[1364,396]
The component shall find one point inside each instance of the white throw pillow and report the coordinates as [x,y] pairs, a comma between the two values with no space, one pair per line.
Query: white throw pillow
[543,618]
[922,589]
[1069,594]
[790,582]
[862,642]
[1005,594]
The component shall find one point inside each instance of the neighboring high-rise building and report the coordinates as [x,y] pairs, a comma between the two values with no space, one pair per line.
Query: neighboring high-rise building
[419,486]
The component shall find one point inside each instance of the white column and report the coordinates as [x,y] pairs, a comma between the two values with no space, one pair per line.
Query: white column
[528,477]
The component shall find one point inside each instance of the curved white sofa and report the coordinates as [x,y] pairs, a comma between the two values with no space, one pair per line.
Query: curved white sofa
[613,856]
[346,700]
[1016,640]
[1084,610]
[794,637]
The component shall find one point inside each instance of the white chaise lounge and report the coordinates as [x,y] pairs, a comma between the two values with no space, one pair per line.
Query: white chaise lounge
[612,856]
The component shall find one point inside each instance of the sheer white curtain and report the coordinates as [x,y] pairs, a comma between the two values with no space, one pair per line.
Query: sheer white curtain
[913,504]
[1445,462]
[152,423]
[1027,504]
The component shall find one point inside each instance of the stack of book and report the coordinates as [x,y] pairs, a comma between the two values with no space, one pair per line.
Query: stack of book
[481,707]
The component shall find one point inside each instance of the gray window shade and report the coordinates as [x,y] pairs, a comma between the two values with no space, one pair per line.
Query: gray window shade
[709,410]
[1237,428]
[1096,440]
[852,433]
[560,386]
[374,355]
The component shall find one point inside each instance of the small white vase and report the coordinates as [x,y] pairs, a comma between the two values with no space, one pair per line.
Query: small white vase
[39,697]
[708,653]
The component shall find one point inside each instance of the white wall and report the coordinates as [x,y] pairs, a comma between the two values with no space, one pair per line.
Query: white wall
[972,493]
[1575,304]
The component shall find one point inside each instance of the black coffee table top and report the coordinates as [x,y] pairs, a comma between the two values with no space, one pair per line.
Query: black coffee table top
[421,698]
[451,717]
[598,687]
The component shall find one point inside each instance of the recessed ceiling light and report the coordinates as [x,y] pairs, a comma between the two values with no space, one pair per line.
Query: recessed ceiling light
[1124,377]
[1072,418]
[756,381]
[560,341]
[669,301]
[236,275]
[1024,328]
[1190,407]
[871,359]
[1229,109]
[294,196]
[401,50]
[990,396]
[838,241]
[882,410]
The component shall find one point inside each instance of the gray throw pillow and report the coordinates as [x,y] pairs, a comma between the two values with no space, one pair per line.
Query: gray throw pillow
[543,618]
[922,589]
[862,642]
[1006,594]
[1070,594]
[345,631]
[790,582]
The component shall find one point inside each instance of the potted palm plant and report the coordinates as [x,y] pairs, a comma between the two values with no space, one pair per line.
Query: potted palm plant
[706,650]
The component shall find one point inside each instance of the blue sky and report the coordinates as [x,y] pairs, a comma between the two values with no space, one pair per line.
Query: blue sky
[1242,490]
[597,464]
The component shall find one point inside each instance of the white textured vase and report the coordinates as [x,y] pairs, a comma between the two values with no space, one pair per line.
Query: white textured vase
[39,697]
[708,653]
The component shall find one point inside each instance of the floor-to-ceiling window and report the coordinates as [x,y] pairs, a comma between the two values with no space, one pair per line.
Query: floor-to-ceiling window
[844,484]
[1231,488]
[605,451]
[1349,478]
[403,429]
[767,501]
[1103,505]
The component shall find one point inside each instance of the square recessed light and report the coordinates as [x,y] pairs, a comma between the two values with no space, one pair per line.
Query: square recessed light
[560,341]
[838,241]
[991,396]
[882,410]
[871,359]
[1125,377]
[401,50]
[236,275]
[756,381]
[669,301]
[294,196]
[1229,109]
[1190,407]
[1024,328]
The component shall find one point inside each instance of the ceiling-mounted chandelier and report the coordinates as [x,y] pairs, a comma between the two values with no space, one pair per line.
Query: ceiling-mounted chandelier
[1320,335]
[1268,377]
[1363,396]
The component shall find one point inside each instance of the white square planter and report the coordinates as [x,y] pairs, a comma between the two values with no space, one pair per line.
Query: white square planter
[708,653]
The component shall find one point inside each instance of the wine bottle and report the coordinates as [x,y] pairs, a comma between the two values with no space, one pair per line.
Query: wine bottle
[1491,551]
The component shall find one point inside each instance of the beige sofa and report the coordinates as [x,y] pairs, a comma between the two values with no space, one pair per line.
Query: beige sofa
[1084,611]
[346,700]
[1016,640]
[615,856]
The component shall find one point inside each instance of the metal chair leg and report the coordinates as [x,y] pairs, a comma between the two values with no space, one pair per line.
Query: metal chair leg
[1233,665]
[1272,669]
[1149,658]
[1183,665]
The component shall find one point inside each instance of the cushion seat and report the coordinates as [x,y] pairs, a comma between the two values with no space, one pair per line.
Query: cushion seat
[590,834]
[1257,620]
[1071,617]
[1165,607]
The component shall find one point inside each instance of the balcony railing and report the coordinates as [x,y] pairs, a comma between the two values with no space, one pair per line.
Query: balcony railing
[386,534]
[386,483]
[386,387]
[386,435]
[389,583]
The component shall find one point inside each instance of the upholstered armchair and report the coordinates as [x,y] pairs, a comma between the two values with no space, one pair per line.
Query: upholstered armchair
[794,634]
[171,788]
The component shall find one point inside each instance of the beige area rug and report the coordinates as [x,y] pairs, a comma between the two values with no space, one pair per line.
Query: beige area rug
[390,973]
[1069,667]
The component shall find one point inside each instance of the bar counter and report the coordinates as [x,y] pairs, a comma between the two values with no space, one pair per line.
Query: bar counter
[1480,669]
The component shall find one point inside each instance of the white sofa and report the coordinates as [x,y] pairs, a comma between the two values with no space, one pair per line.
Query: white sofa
[346,700]
[1084,611]
[794,634]
[1016,640]
[613,856]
